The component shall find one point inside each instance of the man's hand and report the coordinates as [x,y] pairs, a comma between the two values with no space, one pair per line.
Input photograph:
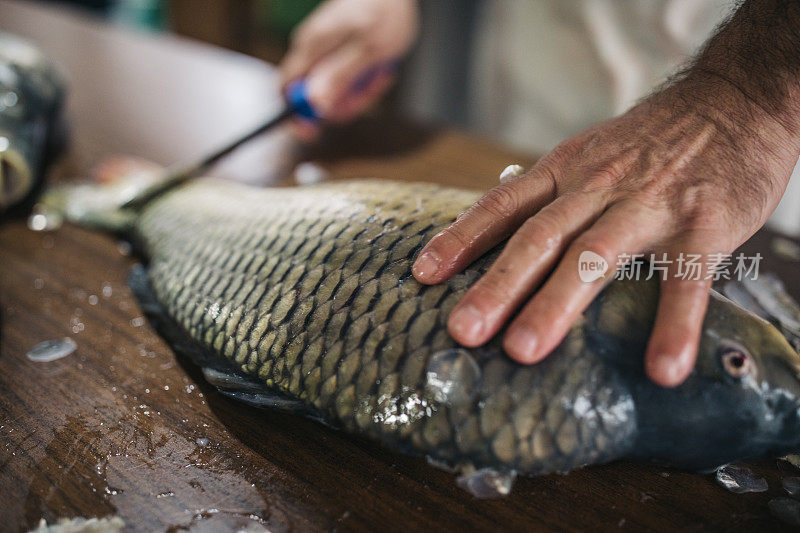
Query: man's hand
[338,44]
[695,169]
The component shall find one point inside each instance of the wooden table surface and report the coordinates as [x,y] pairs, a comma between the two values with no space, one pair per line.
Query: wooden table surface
[124,428]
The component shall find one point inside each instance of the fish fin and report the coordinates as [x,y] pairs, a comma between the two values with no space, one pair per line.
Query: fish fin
[221,374]
[251,391]
[766,297]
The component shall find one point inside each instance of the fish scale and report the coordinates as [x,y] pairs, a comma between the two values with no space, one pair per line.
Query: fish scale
[310,292]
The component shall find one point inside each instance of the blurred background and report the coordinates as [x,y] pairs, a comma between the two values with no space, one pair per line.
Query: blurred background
[261,28]
[255,27]
[527,74]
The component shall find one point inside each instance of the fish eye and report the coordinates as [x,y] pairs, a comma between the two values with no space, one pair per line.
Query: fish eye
[736,361]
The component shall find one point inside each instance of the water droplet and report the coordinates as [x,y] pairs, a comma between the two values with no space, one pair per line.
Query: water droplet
[124,248]
[740,479]
[10,99]
[202,441]
[786,509]
[44,220]
[137,322]
[452,376]
[47,351]
[107,290]
[308,173]
[487,482]
[38,283]
[92,300]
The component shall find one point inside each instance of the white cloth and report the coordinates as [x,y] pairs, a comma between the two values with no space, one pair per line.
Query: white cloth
[546,69]
[543,70]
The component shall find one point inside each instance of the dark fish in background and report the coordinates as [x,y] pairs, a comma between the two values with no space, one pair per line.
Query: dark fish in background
[32,129]
[303,299]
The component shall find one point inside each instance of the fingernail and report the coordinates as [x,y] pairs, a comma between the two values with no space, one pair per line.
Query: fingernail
[466,324]
[521,344]
[426,265]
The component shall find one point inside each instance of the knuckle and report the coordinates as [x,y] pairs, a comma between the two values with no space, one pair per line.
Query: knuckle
[450,239]
[691,289]
[698,211]
[544,228]
[499,202]
[606,175]
[492,290]
[567,149]
[648,197]
[549,173]
[603,245]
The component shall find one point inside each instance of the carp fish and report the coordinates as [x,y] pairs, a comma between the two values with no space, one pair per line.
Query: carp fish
[303,299]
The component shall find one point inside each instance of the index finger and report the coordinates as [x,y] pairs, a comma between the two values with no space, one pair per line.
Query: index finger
[491,219]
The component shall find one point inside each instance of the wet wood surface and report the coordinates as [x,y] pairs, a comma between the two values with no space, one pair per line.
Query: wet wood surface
[122,427]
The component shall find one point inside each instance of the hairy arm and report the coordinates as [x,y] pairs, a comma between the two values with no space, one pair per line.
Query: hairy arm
[694,169]
[757,53]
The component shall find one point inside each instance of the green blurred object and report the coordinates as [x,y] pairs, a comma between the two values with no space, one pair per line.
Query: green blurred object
[283,15]
[146,14]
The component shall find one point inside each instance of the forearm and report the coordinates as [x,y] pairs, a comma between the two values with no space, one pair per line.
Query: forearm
[757,55]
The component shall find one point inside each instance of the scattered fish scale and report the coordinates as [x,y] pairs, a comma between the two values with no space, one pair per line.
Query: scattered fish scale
[740,479]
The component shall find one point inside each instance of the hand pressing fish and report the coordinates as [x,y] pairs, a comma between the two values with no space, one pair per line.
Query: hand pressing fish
[303,299]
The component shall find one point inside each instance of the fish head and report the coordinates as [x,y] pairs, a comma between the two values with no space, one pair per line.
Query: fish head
[742,400]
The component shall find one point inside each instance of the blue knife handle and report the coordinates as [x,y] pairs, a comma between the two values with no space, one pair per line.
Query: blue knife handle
[297,97]
[297,91]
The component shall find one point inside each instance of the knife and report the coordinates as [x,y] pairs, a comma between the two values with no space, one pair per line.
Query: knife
[297,105]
